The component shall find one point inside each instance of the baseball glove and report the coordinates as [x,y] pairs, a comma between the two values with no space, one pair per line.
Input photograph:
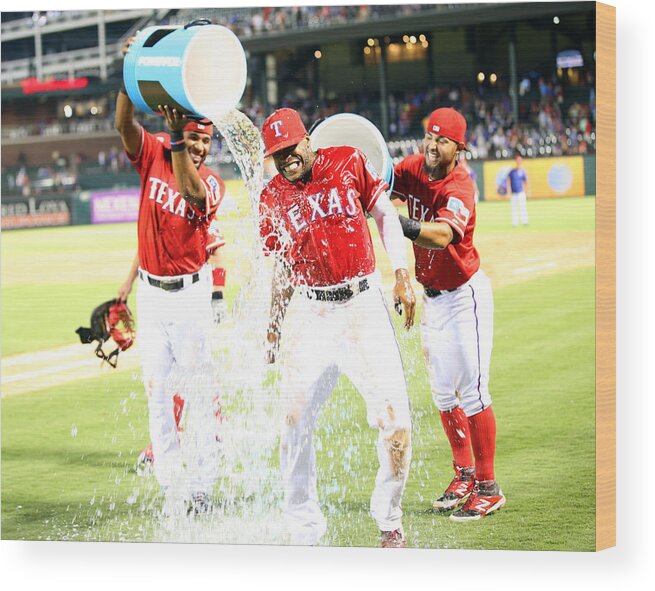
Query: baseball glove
[111,320]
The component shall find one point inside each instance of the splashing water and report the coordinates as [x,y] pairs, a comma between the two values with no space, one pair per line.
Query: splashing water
[248,494]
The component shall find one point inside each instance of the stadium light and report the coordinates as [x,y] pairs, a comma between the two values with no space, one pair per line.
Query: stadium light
[68,111]
[317,54]
[412,39]
[556,20]
[493,78]
[480,76]
[370,42]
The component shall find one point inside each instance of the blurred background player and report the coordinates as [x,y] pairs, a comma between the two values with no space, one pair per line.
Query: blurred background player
[457,323]
[179,196]
[517,185]
[312,218]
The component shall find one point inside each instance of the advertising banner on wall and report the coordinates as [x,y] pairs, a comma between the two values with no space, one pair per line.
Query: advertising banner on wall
[110,207]
[36,212]
[547,177]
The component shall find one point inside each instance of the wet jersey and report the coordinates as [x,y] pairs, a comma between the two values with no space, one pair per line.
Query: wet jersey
[320,226]
[172,232]
[450,200]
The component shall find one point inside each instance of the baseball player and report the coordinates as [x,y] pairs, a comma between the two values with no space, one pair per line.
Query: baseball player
[179,196]
[457,323]
[517,184]
[312,218]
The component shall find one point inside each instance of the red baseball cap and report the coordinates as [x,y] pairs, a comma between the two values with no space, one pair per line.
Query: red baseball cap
[202,126]
[448,123]
[282,129]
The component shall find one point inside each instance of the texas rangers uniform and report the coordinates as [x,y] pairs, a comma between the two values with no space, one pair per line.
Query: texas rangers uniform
[175,317]
[456,332]
[337,322]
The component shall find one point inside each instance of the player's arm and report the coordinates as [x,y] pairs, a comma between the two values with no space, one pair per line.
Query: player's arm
[391,233]
[126,288]
[186,174]
[124,122]
[282,291]
[430,235]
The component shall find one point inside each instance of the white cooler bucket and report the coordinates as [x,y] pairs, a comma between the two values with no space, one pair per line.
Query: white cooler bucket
[199,69]
[348,129]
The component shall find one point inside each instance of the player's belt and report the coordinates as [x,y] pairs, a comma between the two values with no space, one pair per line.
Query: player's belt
[338,294]
[433,293]
[170,284]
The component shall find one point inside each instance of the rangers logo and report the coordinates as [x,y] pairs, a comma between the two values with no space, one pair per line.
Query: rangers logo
[276,127]
[215,189]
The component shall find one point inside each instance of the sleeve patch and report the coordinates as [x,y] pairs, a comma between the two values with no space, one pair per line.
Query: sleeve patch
[460,211]
[215,190]
[371,169]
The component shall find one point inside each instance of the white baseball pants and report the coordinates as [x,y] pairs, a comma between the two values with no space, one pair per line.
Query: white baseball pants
[519,208]
[457,339]
[322,340]
[174,332]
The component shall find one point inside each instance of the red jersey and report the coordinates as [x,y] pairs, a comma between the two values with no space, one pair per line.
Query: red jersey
[172,232]
[320,226]
[450,200]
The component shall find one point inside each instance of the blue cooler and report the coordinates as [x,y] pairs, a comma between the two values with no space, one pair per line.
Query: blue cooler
[200,69]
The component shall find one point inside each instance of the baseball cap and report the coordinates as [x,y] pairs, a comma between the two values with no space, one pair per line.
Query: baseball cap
[201,126]
[448,123]
[282,129]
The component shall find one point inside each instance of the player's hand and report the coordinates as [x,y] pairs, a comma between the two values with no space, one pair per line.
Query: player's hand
[272,345]
[124,291]
[219,308]
[175,120]
[126,46]
[404,298]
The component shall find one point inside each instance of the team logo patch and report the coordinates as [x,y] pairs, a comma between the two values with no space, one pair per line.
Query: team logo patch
[371,169]
[460,211]
[215,189]
[436,128]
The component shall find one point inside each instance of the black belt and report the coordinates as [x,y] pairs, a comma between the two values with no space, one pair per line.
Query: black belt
[168,284]
[338,294]
[433,293]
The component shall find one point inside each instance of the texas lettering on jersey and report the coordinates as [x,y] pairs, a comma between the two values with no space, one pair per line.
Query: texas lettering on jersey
[320,226]
[451,201]
[172,231]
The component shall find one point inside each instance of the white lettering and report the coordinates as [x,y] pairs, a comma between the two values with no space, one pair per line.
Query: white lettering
[351,210]
[316,206]
[334,203]
[154,183]
[181,208]
[294,216]
[161,192]
[170,203]
[166,61]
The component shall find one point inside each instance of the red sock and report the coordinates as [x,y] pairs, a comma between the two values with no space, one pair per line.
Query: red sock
[456,426]
[483,438]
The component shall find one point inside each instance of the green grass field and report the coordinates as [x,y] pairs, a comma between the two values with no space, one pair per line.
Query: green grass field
[69,447]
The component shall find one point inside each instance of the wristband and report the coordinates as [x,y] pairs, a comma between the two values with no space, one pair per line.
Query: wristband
[177,141]
[411,228]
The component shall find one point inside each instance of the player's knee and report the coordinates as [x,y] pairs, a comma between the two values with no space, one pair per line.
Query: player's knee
[446,402]
[399,445]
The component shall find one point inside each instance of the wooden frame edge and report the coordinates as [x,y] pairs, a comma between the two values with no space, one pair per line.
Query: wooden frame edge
[605,276]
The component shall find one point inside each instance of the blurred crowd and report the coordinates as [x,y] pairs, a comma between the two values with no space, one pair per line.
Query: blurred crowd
[248,22]
[552,121]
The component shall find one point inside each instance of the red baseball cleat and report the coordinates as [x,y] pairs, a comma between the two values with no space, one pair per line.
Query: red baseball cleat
[485,498]
[459,488]
[393,539]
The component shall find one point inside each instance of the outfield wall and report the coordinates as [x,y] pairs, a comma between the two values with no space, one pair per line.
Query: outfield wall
[572,176]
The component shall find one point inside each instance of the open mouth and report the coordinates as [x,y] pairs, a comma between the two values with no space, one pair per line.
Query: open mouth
[291,167]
